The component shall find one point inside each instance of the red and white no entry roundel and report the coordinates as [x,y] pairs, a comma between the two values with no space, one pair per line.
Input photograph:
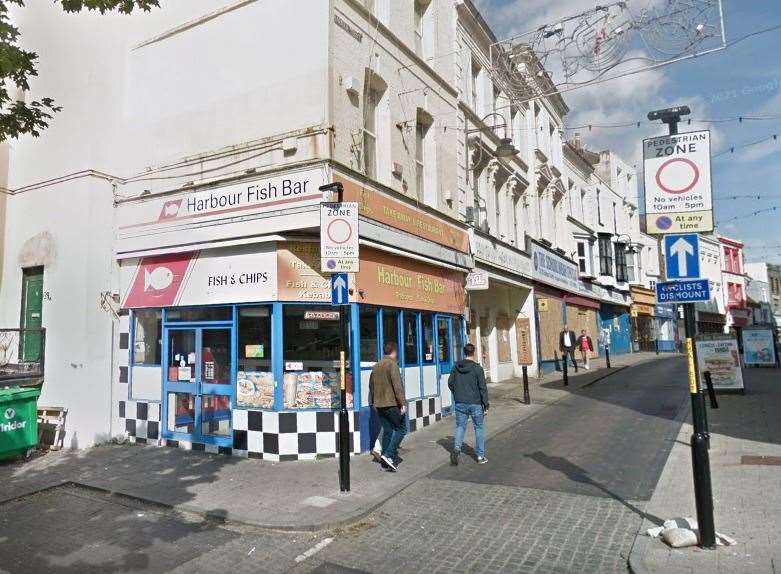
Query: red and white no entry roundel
[677,175]
[339,231]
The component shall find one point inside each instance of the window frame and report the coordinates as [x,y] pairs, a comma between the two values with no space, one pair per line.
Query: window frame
[372,98]
[620,262]
[605,256]
[132,338]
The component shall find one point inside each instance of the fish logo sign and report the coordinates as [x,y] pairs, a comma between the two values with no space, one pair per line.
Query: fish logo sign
[158,279]
[170,209]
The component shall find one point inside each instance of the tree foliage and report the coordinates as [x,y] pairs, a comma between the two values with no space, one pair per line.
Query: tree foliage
[17,66]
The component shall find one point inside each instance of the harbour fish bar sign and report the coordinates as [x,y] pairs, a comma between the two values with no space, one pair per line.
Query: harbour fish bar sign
[683,291]
[678,183]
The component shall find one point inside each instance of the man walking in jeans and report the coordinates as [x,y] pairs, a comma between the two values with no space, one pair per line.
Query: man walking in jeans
[387,396]
[470,396]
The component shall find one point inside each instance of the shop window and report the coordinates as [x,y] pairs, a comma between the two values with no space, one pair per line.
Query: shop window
[216,356]
[443,340]
[199,314]
[181,356]
[369,335]
[411,338]
[311,357]
[458,340]
[390,326]
[147,336]
[427,321]
[255,378]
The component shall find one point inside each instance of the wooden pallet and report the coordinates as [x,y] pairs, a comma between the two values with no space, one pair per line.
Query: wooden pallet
[51,423]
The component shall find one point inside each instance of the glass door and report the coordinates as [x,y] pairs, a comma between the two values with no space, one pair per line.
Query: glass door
[197,389]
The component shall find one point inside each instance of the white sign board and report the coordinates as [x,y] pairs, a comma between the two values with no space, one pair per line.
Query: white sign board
[722,359]
[553,269]
[339,237]
[477,280]
[678,183]
[759,347]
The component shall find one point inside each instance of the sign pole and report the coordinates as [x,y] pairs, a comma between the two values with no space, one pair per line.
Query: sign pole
[703,495]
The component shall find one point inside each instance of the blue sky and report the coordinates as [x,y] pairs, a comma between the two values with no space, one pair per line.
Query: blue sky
[742,80]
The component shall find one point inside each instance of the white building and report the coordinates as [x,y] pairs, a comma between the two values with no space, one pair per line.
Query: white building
[172,209]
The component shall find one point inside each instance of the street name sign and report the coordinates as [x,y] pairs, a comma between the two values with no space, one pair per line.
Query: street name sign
[682,256]
[339,237]
[678,195]
[690,291]
[340,293]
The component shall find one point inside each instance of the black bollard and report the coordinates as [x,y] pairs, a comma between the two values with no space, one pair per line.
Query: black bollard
[526,399]
[656,345]
[714,404]
[607,357]
[566,375]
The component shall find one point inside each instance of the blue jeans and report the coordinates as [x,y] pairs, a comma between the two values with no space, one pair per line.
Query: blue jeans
[464,412]
[393,430]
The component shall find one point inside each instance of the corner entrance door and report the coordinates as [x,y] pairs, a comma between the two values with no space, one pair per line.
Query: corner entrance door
[197,389]
[32,309]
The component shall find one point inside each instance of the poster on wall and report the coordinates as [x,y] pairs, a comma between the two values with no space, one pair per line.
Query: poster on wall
[720,356]
[758,347]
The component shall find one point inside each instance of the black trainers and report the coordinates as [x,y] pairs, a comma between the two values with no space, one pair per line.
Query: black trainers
[391,466]
[454,457]
[481,460]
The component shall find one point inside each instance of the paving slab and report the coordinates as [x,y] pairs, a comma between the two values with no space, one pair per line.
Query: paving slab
[746,497]
[280,495]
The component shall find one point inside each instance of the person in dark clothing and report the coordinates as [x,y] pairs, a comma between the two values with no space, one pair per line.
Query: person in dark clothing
[387,396]
[568,340]
[470,400]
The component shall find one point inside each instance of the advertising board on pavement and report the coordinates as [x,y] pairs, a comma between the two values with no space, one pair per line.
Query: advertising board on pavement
[720,356]
[678,183]
[758,347]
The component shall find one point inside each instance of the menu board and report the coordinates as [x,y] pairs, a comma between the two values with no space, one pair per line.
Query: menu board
[721,357]
[759,348]
[255,389]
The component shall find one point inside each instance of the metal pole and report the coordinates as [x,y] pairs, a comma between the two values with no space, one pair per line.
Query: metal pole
[526,398]
[703,494]
[344,417]
[564,367]
[607,356]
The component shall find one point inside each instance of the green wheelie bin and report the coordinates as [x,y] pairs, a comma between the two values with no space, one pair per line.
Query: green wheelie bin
[18,421]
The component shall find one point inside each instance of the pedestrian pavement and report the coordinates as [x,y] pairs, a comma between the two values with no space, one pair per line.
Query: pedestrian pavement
[299,496]
[746,495]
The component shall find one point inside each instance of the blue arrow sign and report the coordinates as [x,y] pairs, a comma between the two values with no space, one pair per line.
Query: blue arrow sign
[340,294]
[682,256]
[683,291]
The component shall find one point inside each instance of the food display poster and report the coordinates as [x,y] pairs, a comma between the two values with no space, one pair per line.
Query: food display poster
[722,359]
[758,347]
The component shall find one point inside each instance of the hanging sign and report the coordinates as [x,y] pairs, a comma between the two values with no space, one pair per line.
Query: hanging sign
[678,183]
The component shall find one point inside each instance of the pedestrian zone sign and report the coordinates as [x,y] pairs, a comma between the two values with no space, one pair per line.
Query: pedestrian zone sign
[678,183]
[339,237]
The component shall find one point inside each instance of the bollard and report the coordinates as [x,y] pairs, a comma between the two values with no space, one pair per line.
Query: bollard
[607,357]
[656,345]
[566,374]
[714,404]
[526,399]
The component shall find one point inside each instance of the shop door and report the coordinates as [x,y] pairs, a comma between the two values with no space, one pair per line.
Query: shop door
[32,308]
[197,391]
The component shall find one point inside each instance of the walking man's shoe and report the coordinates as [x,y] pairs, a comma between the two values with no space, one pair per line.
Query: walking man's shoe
[389,463]
[454,457]
[481,460]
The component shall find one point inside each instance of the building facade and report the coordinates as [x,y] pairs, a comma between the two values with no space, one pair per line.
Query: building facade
[768,275]
[711,315]
[170,217]
[734,285]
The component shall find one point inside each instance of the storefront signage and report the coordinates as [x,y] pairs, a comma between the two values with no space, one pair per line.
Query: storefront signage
[394,281]
[496,254]
[299,278]
[678,183]
[247,197]
[339,237]
[720,357]
[642,309]
[379,207]
[524,340]
[554,269]
[477,280]
[227,275]
[758,347]
[321,316]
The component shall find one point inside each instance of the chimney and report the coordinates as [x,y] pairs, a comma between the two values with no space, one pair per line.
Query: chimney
[578,143]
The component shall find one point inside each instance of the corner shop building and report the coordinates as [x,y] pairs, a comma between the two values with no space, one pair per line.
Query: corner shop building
[228,341]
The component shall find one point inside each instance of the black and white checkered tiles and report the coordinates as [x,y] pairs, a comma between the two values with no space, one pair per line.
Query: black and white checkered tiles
[423,412]
[256,434]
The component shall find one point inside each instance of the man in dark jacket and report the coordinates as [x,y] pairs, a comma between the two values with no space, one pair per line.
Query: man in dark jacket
[568,340]
[470,399]
[387,396]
